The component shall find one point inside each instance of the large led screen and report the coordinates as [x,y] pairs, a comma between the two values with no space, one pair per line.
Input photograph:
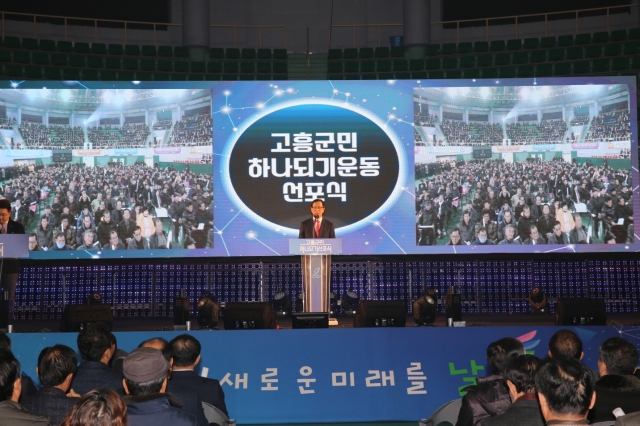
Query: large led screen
[152,169]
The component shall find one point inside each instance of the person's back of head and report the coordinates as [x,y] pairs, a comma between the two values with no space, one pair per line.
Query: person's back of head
[93,341]
[186,350]
[5,342]
[145,372]
[98,407]
[565,343]
[55,364]
[565,388]
[159,343]
[619,356]
[501,352]
[9,374]
[520,375]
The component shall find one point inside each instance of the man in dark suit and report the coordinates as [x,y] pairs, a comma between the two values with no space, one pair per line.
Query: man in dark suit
[10,267]
[56,367]
[317,226]
[186,355]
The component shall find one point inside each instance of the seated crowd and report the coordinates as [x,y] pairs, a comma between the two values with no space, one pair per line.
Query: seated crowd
[129,135]
[155,384]
[560,389]
[533,202]
[192,131]
[610,126]
[53,136]
[527,133]
[90,204]
[461,133]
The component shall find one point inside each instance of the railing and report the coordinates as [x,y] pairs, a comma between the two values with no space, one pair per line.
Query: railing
[486,21]
[126,26]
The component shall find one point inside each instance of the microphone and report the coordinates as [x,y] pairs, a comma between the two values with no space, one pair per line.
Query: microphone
[315,216]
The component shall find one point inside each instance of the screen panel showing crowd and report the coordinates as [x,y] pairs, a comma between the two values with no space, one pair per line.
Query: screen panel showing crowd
[100,170]
[523,165]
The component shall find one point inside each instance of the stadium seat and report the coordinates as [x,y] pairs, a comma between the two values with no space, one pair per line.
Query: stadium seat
[436,75]
[161,76]
[232,53]
[396,52]
[21,57]
[449,63]
[164,52]
[497,46]
[230,68]
[453,74]
[212,77]
[335,67]
[383,65]
[480,47]
[416,65]
[280,54]
[582,39]
[433,50]
[98,48]
[520,58]
[620,63]
[40,58]
[59,59]
[108,75]
[514,44]
[525,71]
[365,53]
[76,61]
[178,77]
[47,45]
[599,65]
[618,35]
[33,72]
[600,37]
[261,77]
[400,65]
[265,54]
[112,63]
[126,76]
[148,65]
[29,43]
[181,66]
[548,42]
[64,46]
[370,66]
[195,77]
[216,53]
[556,55]
[381,52]
[614,49]
[544,70]
[5,56]
[90,75]
[484,61]
[562,68]
[164,65]
[13,71]
[449,49]
[432,64]
[402,75]
[531,43]
[631,48]
[502,59]
[81,47]
[214,67]
[12,42]
[264,68]
[229,77]
[418,75]
[248,54]
[180,52]
[132,50]
[593,52]
[144,76]
[574,53]
[635,62]
[634,34]
[250,67]
[130,64]
[507,72]
[335,55]
[52,73]
[95,62]
[71,74]
[471,73]
[148,50]
[538,56]
[565,41]
[581,67]
[115,49]
[350,53]
[352,76]
[467,62]
[465,48]
[198,67]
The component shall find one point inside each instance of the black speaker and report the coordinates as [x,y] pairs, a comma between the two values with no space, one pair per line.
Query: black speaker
[380,313]
[310,320]
[248,315]
[581,312]
[6,314]
[181,311]
[75,317]
[453,306]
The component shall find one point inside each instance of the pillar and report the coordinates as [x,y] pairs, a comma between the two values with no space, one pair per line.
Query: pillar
[417,27]
[195,28]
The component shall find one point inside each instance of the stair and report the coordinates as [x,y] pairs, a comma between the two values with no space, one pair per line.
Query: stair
[298,70]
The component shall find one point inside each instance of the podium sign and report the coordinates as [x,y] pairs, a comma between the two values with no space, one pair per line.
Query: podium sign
[13,246]
[316,269]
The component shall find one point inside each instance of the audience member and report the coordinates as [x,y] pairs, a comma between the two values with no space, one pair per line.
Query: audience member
[99,407]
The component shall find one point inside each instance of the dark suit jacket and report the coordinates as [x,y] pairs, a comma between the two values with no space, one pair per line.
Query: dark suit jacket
[93,374]
[189,400]
[521,412]
[15,414]
[209,390]
[614,391]
[12,266]
[50,402]
[307,229]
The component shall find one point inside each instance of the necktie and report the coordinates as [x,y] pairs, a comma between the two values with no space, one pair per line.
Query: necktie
[317,228]
[4,228]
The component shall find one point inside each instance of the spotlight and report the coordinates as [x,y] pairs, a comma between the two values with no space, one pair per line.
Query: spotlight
[333,303]
[208,311]
[300,301]
[537,300]
[350,302]
[281,304]
[424,309]
[94,299]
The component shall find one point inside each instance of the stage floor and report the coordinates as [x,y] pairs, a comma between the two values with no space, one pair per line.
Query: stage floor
[472,320]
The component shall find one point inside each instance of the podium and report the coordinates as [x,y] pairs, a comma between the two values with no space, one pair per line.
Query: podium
[12,246]
[316,269]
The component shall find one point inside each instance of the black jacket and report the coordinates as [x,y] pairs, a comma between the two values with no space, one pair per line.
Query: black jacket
[489,398]
[614,391]
[158,409]
[209,390]
[52,402]
[93,374]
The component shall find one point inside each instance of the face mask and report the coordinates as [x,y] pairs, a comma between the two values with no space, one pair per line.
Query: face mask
[482,240]
[60,245]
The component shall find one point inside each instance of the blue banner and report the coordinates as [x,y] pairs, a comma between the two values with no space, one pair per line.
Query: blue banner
[342,375]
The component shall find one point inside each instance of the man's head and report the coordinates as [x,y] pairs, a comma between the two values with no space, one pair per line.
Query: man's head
[565,343]
[86,221]
[317,208]
[455,236]
[577,219]
[160,344]
[145,372]
[526,211]
[158,225]
[113,238]
[501,352]
[557,229]
[126,214]
[520,375]
[482,234]
[509,232]
[10,383]
[106,217]
[56,365]
[88,238]
[565,388]
[533,233]
[5,210]
[137,233]
[33,241]
[94,343]
[486,215]
[186,351]
[60,240]
[618,356]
